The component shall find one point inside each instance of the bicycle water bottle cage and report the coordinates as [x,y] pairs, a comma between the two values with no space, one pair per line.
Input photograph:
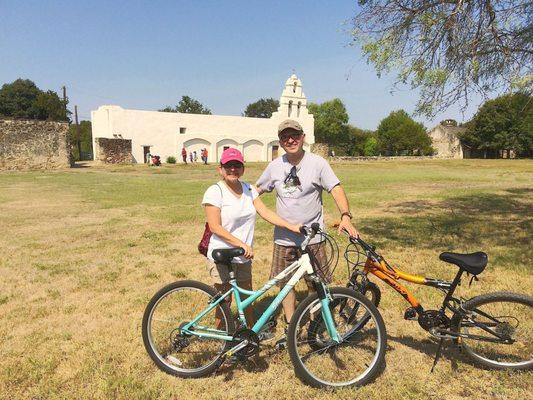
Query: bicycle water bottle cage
[224,256]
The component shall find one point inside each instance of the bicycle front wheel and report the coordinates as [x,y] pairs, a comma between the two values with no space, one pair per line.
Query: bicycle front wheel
[322,362]
[509,315]
[175,351]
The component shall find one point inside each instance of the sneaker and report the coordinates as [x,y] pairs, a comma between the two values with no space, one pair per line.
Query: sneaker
[281,343]
[266,336]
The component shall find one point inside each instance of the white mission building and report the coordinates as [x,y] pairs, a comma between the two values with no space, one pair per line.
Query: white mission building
[165,134]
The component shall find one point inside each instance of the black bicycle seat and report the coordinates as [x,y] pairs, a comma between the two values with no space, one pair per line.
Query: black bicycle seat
[224,256]
[474,263]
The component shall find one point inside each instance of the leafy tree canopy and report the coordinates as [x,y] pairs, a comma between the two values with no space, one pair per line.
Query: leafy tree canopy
[262,108]
[331,121]
[448,49]
[399,134]
[357,138]
[23,99]
[188,105]
[86,138]
[504,123]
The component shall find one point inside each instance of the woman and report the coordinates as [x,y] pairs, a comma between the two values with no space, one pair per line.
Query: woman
[231,206]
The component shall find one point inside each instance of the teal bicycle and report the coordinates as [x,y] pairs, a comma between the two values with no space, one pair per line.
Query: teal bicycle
[336,337]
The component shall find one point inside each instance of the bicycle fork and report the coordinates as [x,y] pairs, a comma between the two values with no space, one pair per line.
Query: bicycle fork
[325,300]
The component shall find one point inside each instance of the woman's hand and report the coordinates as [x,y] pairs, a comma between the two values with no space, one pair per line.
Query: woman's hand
[248,251]
[294,228]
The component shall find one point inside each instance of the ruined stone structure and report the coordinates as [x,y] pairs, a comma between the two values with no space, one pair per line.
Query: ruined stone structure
[322,149]
[113,151]
[445,140]
[30,144]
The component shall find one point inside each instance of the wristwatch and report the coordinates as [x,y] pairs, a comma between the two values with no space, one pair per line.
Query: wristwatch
[348,213]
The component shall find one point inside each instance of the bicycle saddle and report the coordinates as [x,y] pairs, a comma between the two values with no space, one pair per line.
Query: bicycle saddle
[224,256]
[474,263]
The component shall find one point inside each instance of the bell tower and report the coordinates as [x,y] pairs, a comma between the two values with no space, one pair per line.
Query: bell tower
[292,103]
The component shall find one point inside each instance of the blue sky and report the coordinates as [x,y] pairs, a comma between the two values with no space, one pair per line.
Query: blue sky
[146,55]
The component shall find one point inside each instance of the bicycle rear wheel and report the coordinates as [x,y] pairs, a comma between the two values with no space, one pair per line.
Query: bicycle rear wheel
[177,352]
[321,362]
[509,315]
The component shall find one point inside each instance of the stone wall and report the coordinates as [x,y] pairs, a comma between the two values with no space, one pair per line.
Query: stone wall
[382,158]
[113,151]
[321,149]
[30,144]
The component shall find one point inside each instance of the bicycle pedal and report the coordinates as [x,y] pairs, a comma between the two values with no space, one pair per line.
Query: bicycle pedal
[219,362]
[410,314]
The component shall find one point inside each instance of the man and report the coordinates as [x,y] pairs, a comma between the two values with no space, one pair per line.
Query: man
[184,155]
[299,177]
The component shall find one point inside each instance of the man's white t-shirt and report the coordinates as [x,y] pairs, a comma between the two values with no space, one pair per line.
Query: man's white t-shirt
[237,215]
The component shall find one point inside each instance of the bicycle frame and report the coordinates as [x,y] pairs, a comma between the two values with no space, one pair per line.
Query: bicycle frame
[298,269]
[391,275]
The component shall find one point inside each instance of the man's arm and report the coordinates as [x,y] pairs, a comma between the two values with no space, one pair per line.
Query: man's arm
[344,208]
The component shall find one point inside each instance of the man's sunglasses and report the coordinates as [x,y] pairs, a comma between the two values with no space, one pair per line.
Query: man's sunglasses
[294,136]
[292,179]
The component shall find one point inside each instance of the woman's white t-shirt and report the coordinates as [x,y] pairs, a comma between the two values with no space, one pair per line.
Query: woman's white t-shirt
[237,215]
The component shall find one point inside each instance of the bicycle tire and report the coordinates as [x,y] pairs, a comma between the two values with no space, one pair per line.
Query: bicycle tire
[176,362]
[351,350]
[498,355]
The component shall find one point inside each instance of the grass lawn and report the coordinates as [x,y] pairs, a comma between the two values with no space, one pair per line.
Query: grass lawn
[84,249]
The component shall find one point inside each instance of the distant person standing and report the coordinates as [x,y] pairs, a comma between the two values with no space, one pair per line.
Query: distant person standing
[190,156]
[195,156]
[184,155]
[205,156]
[148,158]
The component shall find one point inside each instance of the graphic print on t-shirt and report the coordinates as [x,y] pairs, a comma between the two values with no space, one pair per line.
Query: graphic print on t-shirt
[290,186]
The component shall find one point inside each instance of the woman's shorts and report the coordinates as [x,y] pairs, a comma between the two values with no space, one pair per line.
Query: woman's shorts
[283,256]
[219,273]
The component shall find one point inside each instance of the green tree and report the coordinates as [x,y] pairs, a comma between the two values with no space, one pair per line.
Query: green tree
[262,108]
[86,138]
[23,99]
[504,123]
[49,106]
[357,138]
[399,134]
[371,146]
[188,105]
[448,49]
[331,122]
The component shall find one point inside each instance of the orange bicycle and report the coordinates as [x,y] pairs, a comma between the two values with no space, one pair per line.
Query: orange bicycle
[494,329]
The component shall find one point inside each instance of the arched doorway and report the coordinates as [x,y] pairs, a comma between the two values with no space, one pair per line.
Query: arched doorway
[224,144]
[253,150]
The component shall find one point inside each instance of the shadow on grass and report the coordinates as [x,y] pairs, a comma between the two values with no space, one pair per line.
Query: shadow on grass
[450,352]
[80,164]
[467,223]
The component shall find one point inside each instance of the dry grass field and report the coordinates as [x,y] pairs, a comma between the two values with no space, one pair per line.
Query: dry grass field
[83,250]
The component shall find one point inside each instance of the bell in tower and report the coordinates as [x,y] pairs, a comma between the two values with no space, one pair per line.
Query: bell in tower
[292,103]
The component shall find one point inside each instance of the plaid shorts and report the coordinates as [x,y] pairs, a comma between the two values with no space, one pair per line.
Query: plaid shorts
[283,256]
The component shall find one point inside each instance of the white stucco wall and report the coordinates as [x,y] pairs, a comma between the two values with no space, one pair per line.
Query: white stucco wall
[161,130]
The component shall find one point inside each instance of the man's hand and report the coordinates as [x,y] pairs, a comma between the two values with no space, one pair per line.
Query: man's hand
[346,225]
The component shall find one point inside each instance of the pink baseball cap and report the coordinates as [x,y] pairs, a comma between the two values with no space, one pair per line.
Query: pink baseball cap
[231,155]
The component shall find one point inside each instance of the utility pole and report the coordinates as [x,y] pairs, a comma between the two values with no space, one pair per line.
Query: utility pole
[77,131]
[65,100]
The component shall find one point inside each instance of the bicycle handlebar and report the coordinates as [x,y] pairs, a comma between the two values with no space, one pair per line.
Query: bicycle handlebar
[309,233]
